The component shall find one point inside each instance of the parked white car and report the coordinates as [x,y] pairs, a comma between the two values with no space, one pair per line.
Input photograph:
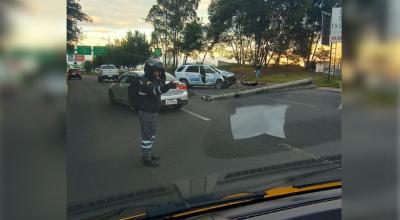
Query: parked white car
[107,71]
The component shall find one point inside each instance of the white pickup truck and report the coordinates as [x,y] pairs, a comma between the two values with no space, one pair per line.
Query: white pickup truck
[107,71]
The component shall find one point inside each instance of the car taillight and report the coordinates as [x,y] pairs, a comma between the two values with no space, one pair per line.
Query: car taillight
[181,87]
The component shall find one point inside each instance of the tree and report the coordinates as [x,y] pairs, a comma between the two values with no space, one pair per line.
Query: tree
[312,23]
[243,27]
[192,39]
[131,50]
[99,60]
[211,36]
[75,15]
[154,40]
[288,26]
[87,65]
[169,18]
[257,29]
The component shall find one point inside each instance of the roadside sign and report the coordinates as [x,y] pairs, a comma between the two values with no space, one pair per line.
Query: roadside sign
[84,50]
[326,26]
[336,26]
[80,58]
[157,52]
[98,50]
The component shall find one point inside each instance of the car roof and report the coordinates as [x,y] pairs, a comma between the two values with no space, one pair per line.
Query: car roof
[194,64]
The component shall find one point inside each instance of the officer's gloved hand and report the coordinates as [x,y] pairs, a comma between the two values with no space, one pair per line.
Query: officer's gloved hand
[171,85]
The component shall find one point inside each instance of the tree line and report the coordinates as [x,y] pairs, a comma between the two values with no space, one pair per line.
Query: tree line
[251,32]
[129,51]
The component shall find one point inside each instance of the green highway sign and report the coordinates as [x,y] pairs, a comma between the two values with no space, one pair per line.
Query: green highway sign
[157,52]
[84,50]
[97,50]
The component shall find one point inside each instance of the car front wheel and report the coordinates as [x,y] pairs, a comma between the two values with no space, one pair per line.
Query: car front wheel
[219,84]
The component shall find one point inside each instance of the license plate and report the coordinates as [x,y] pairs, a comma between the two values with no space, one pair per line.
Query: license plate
[171,102]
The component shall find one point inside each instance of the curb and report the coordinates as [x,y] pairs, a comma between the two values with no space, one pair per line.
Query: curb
[274,87]
[329,89]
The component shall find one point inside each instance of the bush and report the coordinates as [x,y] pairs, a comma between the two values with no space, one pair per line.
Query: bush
[87,66]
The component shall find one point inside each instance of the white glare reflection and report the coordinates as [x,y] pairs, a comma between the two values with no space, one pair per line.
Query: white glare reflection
[252,121]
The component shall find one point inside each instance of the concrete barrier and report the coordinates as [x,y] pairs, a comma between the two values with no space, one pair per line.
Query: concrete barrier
[301,82]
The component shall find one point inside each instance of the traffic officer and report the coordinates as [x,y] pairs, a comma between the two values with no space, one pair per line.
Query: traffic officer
[151,86]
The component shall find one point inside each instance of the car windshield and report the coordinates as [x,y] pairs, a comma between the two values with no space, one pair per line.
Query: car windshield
[215,69]
[106,67]
[274,122]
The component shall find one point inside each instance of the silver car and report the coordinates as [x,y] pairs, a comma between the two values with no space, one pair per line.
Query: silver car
[118,91]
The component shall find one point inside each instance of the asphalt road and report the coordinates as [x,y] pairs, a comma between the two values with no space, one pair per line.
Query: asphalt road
[200,139]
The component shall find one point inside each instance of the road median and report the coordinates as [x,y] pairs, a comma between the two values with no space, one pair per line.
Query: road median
[296,83]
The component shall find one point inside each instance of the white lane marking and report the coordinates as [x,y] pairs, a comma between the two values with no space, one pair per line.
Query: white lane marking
[340,107]
[195,115]
[292,102]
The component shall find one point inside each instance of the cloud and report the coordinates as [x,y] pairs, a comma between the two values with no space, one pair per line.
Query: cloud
[111,18]
[98,30]
[202,11]
[203,5]
[117,13]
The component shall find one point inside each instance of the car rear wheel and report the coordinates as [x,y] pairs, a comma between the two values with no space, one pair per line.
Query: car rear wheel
[111,98]
[219,84]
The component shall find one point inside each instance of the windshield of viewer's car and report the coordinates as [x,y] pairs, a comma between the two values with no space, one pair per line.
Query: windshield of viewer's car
[274,122]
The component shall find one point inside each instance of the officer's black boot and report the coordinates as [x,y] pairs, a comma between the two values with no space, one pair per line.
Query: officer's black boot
[154,157]
[148,159]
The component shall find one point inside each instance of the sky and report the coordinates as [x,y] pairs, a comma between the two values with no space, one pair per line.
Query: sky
[112,19]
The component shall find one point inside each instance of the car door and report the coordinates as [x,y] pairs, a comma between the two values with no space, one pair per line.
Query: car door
[119,88]
[210,75]
[193,75]
[125,83]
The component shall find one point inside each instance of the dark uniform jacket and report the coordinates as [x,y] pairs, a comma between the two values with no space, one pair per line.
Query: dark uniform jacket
[150,90]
